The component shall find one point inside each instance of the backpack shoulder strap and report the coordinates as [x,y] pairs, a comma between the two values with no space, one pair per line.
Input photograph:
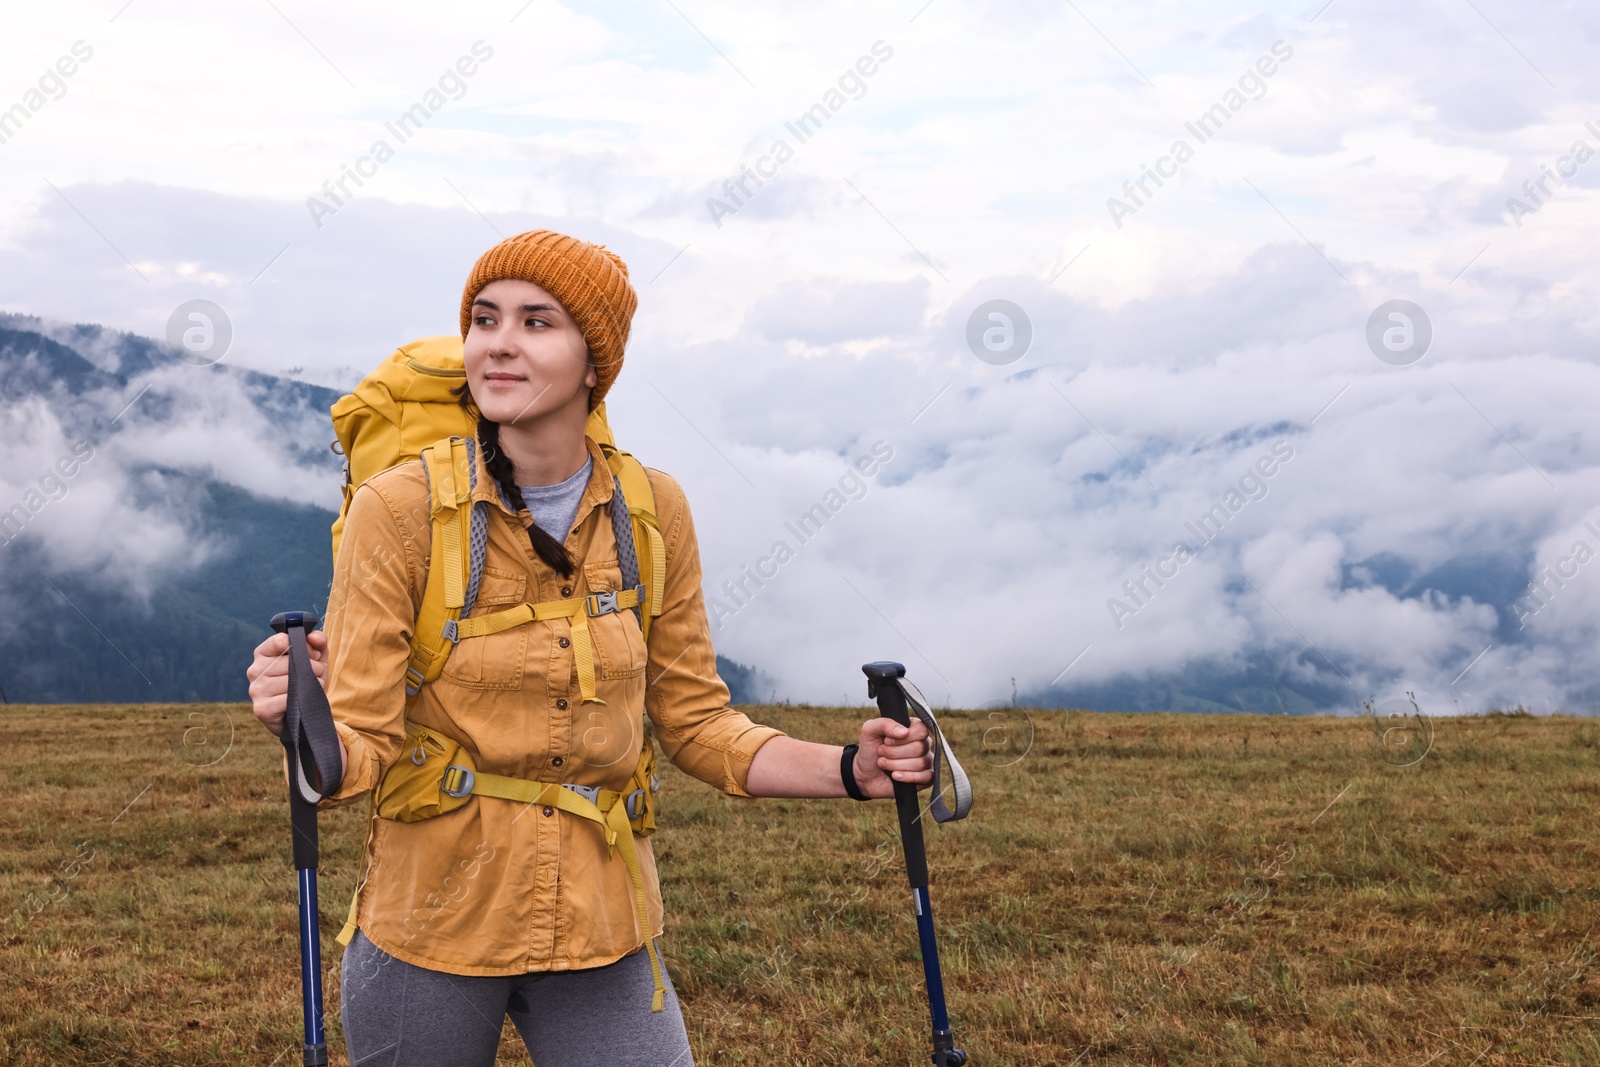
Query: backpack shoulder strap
[639,530]
[450,470]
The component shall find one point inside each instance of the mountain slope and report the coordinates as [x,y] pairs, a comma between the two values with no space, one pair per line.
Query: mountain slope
[152,573]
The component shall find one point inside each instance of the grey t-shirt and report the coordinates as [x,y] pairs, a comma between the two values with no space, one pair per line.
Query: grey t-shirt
[554,507]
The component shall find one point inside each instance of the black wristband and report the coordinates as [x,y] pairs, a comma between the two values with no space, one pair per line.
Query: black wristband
[847,773]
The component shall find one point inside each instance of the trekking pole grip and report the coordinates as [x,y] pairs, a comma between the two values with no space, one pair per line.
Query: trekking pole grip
[883,684]
[309,739]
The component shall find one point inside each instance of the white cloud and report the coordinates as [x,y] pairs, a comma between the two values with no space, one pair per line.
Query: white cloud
[810,325]
[75,499]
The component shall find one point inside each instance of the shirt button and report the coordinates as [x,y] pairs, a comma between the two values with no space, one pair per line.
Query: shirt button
[548,811]
[566,590]
[562,704]
[556,761]
[564,642]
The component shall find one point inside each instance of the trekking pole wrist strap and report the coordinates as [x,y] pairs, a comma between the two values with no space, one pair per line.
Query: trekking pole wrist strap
[847,773]
[960,785]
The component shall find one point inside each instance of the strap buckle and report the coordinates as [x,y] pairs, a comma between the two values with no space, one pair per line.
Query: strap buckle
[457,781]
[450,633]
[605,603]
[591,793]
[634,803]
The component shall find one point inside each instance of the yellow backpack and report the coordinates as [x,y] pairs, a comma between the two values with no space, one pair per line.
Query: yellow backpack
[403,410]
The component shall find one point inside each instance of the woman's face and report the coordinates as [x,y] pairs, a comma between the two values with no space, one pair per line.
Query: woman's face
[525,357]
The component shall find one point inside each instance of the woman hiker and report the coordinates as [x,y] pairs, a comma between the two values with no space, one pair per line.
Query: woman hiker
[502,907]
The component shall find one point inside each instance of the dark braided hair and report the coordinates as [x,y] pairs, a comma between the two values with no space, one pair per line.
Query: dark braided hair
[549,549]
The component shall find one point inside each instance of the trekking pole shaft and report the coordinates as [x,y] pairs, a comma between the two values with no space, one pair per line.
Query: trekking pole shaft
[930,960]
[316,1050]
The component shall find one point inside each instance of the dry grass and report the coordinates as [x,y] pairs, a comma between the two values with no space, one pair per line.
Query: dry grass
[1136,889]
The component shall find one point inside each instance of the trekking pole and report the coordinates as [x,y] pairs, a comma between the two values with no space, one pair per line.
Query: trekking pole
[314,766]
[887,682]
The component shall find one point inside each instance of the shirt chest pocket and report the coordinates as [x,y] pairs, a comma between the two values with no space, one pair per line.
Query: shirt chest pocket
[618,642]
[492,661]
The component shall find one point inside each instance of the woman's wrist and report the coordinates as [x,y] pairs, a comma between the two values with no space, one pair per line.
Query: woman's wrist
[789,767]
[847,773]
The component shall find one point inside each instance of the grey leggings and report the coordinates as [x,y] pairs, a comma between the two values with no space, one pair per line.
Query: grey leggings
[397,1014]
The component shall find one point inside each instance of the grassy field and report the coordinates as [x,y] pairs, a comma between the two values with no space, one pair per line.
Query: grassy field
[1129,889]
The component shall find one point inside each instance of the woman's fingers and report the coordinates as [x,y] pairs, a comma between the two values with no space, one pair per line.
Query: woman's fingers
[269,676]
[317,643]
[276,647]
[264,654]
[919,775]
[272,656]
[889,732]
[906,754]
[919,749]
[906,749]
[898,753]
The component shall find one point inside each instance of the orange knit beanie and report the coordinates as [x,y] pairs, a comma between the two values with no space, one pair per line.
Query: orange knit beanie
[590,281]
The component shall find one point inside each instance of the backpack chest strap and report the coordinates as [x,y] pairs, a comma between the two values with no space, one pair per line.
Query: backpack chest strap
[578,610]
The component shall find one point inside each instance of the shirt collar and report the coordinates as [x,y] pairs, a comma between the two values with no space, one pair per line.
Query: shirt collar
[597,492]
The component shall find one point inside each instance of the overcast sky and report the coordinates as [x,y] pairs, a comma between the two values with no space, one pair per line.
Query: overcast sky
[1198,210]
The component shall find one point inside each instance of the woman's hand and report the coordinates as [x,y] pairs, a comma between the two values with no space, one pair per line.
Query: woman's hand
[269,676]
[891,753]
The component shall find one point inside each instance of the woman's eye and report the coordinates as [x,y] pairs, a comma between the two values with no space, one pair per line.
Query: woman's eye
[537,322]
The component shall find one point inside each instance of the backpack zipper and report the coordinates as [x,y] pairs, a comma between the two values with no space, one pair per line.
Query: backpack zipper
[437,372]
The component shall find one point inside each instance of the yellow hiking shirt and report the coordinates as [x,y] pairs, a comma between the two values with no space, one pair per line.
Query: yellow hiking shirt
[497,887]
